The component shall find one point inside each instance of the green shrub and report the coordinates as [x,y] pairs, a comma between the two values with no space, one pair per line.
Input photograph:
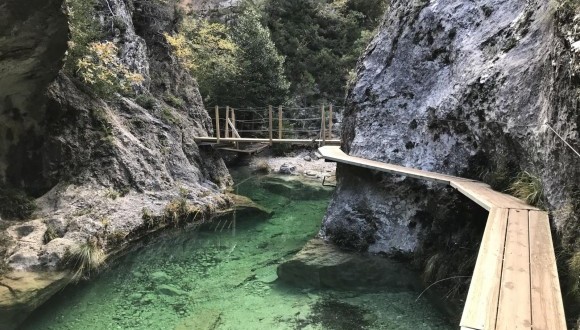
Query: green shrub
[169,116]
[173,100]
[50,234]
[146,101]
[102,69]
[84,29]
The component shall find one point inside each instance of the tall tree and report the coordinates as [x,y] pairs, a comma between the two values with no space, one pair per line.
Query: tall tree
[322,40]
[261,80]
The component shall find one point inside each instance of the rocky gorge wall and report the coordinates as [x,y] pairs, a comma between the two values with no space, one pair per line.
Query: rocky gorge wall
[102,167]
[461,88]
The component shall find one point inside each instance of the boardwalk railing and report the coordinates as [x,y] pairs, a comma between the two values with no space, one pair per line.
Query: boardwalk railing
[270,125]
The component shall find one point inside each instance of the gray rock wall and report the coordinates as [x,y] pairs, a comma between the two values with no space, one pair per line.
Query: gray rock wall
[462,88]
[102,164]
[33,40]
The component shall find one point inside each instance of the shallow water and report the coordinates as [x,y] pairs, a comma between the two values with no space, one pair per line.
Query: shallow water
[224,277]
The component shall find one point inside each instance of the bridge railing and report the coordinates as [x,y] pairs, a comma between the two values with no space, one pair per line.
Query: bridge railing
[275,124]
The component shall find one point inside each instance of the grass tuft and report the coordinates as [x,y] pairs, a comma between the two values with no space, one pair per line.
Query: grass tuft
[529,188]
[574,274]
[86,258]
[261,166]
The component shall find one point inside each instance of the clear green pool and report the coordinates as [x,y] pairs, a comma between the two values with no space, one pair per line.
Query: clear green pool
[224,277]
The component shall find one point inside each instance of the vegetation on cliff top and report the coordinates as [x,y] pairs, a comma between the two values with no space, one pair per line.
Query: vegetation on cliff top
[275,52]
[91,59]
[236,64]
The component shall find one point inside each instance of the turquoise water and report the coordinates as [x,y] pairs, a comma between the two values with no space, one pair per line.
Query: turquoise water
[224,277]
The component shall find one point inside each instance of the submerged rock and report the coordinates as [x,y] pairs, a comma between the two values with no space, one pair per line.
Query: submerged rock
[287,169]
[160,277]
[203,320]
[170,290]
[323,265]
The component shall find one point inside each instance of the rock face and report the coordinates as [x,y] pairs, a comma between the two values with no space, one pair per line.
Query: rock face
[462,88]
[99,165]
[33,40]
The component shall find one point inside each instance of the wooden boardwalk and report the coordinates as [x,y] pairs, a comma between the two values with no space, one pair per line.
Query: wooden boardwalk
[515,282]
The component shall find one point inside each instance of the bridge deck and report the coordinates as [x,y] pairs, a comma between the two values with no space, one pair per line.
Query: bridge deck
[515,282]
[257,140]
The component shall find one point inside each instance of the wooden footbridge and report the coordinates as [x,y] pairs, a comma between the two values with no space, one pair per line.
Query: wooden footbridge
[262,129]
[515,282]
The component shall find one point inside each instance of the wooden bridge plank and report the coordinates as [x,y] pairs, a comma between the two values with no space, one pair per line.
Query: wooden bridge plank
[514,310]
[488,198]
[335,154]
[547,306]
[515,274]
[257,140]
[482,300]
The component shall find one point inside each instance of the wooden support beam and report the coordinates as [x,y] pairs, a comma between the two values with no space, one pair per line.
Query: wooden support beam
[227,118]
[235,133]
[330,122]
[270,123]
[280,127]
[217,123]
[323,125]
[235,128]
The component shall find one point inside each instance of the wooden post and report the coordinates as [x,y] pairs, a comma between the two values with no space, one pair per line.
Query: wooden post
[227,126]
[323,126]
[217,123]
[270,126]
[235,128]
[330,122]
[280,127]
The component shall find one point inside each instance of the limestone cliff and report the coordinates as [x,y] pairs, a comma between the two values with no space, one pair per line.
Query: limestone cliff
[100,167]
[462,88]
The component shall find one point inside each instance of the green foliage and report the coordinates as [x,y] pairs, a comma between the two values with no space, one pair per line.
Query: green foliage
[237,65]
[49,234]
[208,51]
[262,80]
[94,61]
[86,258]
[84,29]
[146,101]
[103,70]
[529,188]
[169,116]
[15,204]
[321,40]
[173,100]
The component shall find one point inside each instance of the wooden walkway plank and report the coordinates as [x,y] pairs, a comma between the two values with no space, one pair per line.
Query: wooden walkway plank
[335,154]
[258,140]
[547,307]
[514,310]
[482,300]
[515,280]
[488,198]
